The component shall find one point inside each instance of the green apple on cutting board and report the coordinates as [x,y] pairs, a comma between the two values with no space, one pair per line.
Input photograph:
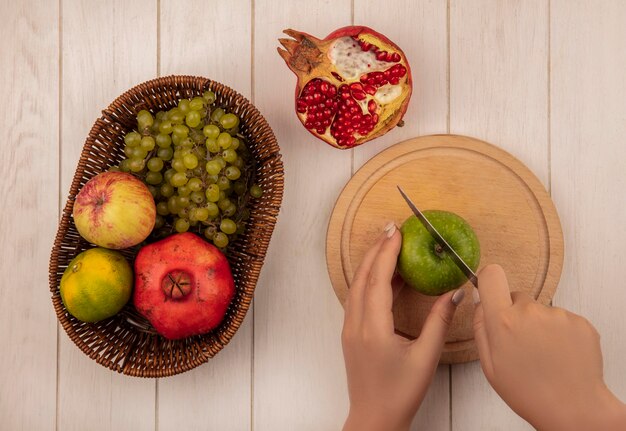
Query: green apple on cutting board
[424,265]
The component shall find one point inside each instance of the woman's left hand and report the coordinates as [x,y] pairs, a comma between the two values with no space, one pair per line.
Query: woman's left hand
[388,375]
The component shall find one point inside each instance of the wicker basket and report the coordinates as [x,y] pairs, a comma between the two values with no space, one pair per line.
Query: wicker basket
[126,342]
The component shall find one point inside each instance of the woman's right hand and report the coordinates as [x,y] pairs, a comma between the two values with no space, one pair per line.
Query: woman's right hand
[544,362]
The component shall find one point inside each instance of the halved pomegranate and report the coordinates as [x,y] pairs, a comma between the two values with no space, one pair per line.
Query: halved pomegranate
[353,86]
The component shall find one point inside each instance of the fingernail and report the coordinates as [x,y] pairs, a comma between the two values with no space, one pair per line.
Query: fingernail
[458,296]
[475,296]
[390,229]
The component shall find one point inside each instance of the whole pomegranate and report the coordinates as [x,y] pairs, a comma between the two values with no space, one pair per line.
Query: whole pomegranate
[183,285]
[353,86]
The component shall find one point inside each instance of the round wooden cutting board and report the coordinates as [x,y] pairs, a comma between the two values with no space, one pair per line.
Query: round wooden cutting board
[509,209]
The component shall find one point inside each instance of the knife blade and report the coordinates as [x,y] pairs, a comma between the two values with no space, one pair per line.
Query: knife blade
[458,260]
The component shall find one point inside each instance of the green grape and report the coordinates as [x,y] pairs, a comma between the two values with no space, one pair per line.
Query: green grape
[154,178]
[220,160]
[158,222]
[181,225]
[232,173]
[239,187]
[155,126]
[193,214]
[223,183]
[230,210]
[256,191]
[129,151]
[184,212]
[220,240]
[181,131]
[212,145]
[211,131]
[209,96]
[178,179]
[198,171]
[228,226]
[172,205]
[132,139]
[211,179]
[140,153]
[212,193]
[193,119]
[155,164]
[196,104]
[175,116]
[224,203]
[184,107]
[224,140]
[213,209]
[213,167]
[194,184]
[160,115]
[167,190]
[154,191]
[229,121]
[202,214]
[178,153]
[238,163]
[179,165]
[197,197]
[190,161]
[165,127]
[187,143]
[222,195]
[147,143]
[176,140]
[210,232]
[199,152]
[217,114]
[163,140]
[144,119]
[182,201]
[234,144]
[184,190]
[168,174]
[125,165]
[162,209]
[229,155]
[136,165]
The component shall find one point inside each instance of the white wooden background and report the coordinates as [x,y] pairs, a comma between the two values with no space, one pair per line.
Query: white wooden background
[543,79]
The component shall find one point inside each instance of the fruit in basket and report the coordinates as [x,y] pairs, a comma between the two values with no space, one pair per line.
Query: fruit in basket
[353,86]
[114,210]
[183,285]
[424,265]
[96,285]
[198,167]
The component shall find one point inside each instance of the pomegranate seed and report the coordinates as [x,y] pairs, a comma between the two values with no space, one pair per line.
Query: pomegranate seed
[371,106]
[381,55]
[351,140]
[331,91]
[356,86]
[358,95]
[363,78]
[394,80]
[401,71]
[395,57]
[383,82]
[374,118]
[320,131]
[386,73]
[370,89]
[348,101]
[324,87]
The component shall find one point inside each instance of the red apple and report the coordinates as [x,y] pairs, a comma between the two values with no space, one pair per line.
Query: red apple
[114,210]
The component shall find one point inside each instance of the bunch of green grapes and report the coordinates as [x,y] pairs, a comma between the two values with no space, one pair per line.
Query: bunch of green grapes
[197,166]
